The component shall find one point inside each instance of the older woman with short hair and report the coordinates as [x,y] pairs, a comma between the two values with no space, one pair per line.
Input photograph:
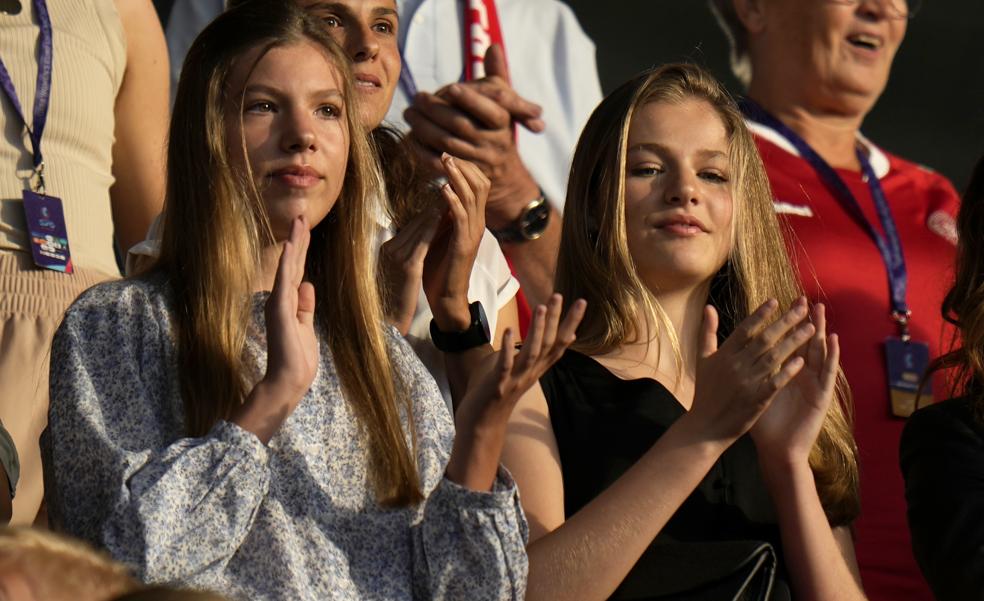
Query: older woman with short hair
[872,234]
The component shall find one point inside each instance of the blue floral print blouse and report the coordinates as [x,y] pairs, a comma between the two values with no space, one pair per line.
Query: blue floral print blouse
[293,519]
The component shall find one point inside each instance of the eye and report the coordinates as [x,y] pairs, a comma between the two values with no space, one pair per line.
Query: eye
[259,106]
[331,21]
[647,170]
[384,27]
[714,176]
[329,111]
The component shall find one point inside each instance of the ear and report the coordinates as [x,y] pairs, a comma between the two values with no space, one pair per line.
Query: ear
[751,13]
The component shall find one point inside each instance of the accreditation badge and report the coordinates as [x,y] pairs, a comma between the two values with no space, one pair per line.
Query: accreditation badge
[46,226]
[906,362]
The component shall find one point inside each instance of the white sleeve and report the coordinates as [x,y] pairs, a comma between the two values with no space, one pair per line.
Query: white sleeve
[492,281]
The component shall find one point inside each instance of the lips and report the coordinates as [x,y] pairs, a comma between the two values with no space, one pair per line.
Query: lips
[296,176]
[680,225]
[866,41]
[367,80]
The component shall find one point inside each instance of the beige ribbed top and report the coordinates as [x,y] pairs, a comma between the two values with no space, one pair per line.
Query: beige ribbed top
[89,62]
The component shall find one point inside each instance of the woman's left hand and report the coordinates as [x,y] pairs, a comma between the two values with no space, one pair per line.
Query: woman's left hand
[449,261]
[789,427]
[484,411]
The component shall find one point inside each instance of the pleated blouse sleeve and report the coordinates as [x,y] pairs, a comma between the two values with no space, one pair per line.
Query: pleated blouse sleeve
[121,472]
[467,544]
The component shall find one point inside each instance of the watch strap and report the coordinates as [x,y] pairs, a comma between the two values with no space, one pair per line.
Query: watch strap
[477,333]
[530,225]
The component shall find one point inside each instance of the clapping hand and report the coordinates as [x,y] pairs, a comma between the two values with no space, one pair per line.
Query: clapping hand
[484,411]
[449,262]
[292,345]
[402,266]
[790,426]
[736,382]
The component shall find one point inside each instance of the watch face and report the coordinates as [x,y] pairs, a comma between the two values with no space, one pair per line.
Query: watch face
[534,222]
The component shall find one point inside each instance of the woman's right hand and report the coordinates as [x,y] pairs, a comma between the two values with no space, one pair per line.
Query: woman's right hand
[292,345]
[736,382]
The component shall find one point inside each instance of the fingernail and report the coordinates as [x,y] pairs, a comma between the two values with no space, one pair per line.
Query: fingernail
[454,89]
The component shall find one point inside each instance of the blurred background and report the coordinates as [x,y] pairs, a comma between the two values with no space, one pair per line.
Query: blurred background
[931,113]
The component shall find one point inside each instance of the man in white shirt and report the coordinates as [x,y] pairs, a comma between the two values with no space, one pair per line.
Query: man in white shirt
[551,63]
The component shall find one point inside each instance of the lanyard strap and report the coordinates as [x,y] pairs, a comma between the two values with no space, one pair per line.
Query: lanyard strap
[888,245]
[42,94]
[481,24]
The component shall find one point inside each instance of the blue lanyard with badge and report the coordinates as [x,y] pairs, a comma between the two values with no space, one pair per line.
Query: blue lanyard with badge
[906,359]
[43,213]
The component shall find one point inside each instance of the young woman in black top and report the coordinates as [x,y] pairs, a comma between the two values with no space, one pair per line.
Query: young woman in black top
[942,448]
[669,231]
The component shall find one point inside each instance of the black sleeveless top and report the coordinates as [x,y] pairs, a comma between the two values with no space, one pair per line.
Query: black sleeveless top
[604,424]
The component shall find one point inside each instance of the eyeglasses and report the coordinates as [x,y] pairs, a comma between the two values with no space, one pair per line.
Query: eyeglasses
[894,9]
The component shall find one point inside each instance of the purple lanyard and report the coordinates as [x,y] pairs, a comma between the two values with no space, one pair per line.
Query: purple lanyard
[888,245]
[42,94]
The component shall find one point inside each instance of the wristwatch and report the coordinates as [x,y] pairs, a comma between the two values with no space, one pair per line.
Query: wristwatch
[531,224]
[476,334]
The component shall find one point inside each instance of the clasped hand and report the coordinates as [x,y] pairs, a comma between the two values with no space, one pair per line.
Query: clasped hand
[474,120]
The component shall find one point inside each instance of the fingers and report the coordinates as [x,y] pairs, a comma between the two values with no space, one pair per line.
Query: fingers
[752,325]
[457,193]
[785,375]
[555,306]
[707,345]
[495,63]
[459,120]
[285,270]
[409,246]
[426,132]
[507,354]
[828,378]
[768,338]
[817,348]
[485,106]
[533,345]
[787,347]
[469,182]
[566,334]
[549,336]
[305,303]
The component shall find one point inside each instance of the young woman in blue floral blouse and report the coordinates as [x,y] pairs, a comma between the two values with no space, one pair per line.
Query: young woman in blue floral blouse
[240,418]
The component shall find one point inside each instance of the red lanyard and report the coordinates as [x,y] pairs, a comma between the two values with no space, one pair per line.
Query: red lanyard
[481,31]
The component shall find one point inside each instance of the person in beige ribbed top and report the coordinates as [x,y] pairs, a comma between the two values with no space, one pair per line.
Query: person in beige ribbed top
[103,152]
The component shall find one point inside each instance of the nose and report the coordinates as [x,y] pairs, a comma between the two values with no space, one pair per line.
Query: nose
[681,189]
[360,43]
[876,10]
[298,134]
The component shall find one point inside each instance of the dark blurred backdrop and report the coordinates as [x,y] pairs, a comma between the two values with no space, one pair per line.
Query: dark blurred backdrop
[931,113]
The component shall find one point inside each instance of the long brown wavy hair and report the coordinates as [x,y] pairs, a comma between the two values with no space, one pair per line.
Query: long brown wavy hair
[215,227]
[963,305]
[595,263]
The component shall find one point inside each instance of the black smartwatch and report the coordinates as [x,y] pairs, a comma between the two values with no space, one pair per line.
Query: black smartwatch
[531,224]
[475,335]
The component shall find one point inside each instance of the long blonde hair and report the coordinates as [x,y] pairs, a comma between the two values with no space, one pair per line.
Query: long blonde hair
[215,227]
[595,263]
